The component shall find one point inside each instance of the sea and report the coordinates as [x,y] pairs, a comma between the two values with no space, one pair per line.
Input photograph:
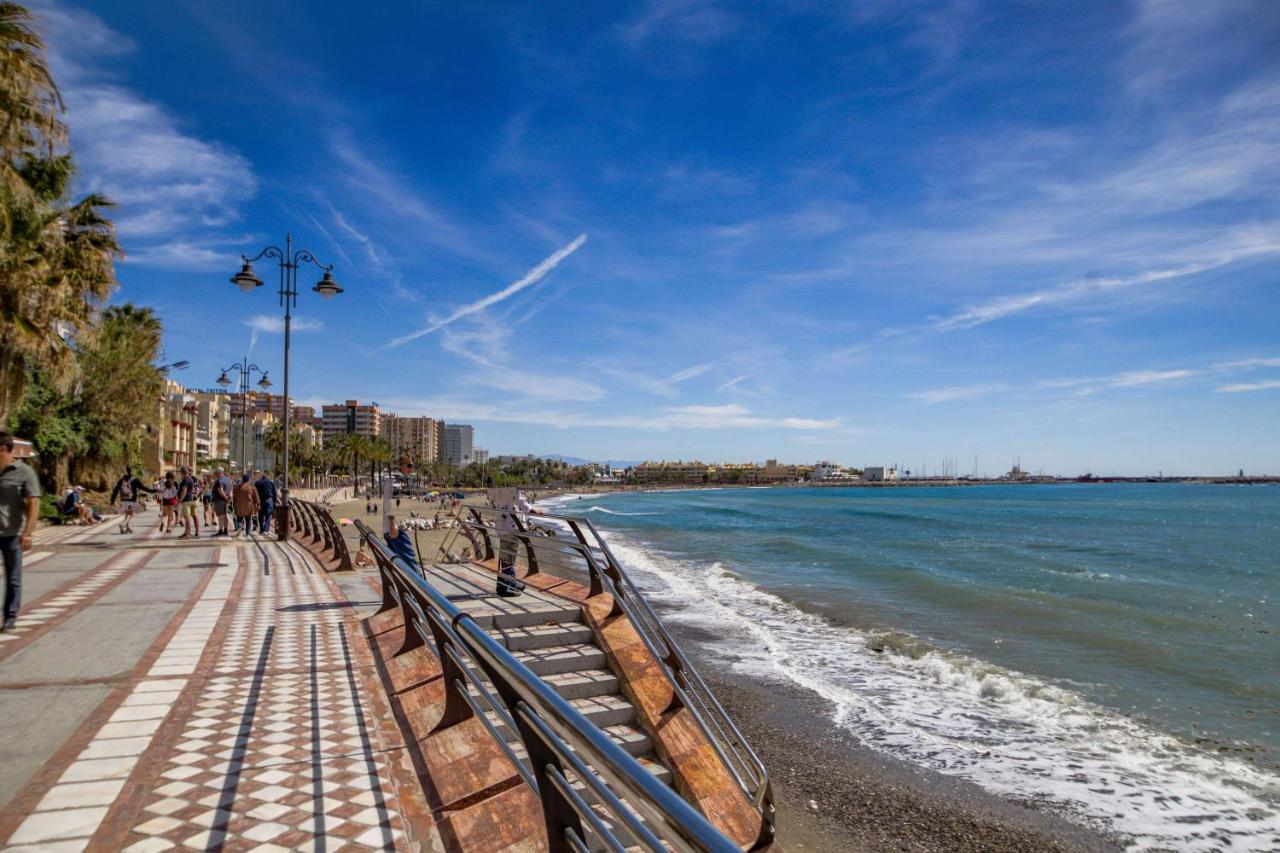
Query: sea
[1110,652]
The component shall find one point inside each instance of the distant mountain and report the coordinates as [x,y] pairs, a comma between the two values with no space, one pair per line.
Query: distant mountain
[578,460]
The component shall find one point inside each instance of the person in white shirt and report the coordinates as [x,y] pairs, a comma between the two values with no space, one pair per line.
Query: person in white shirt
[508,544]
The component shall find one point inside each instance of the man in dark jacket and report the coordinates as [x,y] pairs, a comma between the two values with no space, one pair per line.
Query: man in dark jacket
[129,490]
[266,502]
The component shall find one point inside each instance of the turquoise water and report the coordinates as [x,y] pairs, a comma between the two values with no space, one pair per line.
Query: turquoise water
[1105,647]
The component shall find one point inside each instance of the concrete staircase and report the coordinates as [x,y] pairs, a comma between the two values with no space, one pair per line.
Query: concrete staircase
[548,635]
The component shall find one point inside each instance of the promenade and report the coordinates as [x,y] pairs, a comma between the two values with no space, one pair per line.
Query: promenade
[200,694]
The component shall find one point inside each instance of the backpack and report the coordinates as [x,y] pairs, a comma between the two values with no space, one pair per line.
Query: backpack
[126,490]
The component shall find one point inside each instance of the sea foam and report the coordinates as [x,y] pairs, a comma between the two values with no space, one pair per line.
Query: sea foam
[1006,731]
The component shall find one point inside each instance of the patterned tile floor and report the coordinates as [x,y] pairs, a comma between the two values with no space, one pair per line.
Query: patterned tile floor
[250,731]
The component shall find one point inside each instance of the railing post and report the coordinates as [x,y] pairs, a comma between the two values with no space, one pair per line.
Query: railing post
[557,814]
[456,708]
[303,528]
[484,531]
[341,552]
[412,636]
[388,598]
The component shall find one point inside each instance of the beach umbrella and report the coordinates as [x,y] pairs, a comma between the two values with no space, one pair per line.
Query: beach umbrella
[345,521]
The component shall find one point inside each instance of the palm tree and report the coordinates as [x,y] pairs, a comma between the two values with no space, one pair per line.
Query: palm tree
[56,258]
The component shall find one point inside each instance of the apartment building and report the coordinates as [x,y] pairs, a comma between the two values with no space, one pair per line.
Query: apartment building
[412,437]
[351,416]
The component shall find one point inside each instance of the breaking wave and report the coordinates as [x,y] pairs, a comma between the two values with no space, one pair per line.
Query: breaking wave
[1008,732]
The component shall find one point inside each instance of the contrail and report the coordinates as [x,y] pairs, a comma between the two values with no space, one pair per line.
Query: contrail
[533,276]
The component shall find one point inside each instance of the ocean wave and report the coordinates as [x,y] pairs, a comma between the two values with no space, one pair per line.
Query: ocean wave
[1007,731]
[608,511]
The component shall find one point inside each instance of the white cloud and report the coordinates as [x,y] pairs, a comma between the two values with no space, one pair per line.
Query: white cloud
[1135,378]
[275,325]
[530,278]
[176,191]
[963,392]
[1248,386]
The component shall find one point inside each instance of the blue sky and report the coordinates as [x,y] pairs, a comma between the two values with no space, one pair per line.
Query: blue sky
[876,232]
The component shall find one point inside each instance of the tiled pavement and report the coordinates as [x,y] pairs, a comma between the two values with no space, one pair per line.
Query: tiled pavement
[248,725]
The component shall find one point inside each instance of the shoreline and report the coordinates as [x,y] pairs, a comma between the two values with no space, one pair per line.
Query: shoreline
[833,793]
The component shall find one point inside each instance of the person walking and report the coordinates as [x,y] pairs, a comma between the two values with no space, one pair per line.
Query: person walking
[246,501]
[266,490]
[19,509]
[128,490]
[206,500]
[220,497]
[188,501]
[168,491]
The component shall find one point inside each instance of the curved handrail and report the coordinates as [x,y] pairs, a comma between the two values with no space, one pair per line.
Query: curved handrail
[554,733]
[607,574]
[317,524]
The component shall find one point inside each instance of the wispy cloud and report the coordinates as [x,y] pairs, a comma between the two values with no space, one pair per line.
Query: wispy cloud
[266,324]
[530,278]
[275,325]
[694,21]
[1242,387]
[1007,306]
[660,386]
[699,417]
[1250,363]
[393,192]
[733,383]
[176,191]
[962,392]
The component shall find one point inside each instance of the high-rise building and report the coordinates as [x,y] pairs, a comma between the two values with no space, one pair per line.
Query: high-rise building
[261,401]
[352,417]
[455,448]
[414,437]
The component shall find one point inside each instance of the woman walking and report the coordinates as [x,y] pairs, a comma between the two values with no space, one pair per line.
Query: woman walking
[168,502]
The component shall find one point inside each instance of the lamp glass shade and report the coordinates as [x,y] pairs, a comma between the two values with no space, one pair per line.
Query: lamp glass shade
[224,380]
[264,383]
[327,287]
[245,279]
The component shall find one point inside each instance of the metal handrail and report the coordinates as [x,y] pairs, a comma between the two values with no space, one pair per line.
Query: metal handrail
[607,574]
[555,735]
[315,521]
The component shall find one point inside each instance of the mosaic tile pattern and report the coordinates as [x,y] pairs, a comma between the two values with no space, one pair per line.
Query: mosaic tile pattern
[275,750]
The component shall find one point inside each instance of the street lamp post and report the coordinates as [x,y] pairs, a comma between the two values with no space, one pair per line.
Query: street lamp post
[245,369]
[288,260]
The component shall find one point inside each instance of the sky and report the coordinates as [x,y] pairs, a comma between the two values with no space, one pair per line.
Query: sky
[892,231]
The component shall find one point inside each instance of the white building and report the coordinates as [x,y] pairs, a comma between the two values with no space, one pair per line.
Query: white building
[879,474]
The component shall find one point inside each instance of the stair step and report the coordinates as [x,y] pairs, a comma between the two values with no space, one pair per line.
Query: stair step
[583,683]
[637,743]
[543,636]
[558,659]
[601,710]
